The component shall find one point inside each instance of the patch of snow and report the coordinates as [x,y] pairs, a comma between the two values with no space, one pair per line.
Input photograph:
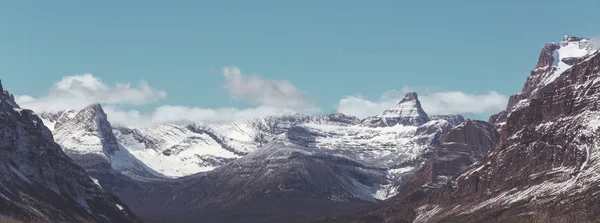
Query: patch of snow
[521,103]
[4,197]
[39,213]
[544,126]
[385,191]
[472,171]
[585,148]
[567,49]
[401,170]
[425,212]
[96,182]
[48,123]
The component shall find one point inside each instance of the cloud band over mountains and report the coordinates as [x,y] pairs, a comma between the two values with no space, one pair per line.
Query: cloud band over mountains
[267,97]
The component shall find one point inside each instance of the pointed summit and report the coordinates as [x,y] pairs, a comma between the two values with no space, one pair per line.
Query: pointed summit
[407,112]
[410,96]
[91,117]
[93,110]
[88,138]
[89,132]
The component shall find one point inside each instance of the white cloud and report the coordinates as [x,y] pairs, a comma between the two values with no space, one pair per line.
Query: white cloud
[259,91]
[434,103]
[362,108]
[456,102]
[270,97]
[185,115]
[78,91]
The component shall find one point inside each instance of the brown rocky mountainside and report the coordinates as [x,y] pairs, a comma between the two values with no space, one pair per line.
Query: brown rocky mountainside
[545,166]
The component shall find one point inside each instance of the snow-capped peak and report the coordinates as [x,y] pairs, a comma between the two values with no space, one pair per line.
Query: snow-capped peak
[87,137]
[88,131]
[565,54]
[407,112]
[573,47]
[554,60]
[409,106]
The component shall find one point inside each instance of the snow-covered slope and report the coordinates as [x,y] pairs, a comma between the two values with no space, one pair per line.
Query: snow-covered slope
[87,137]
[50,119]
[312,168]
[399,149]
[175,151]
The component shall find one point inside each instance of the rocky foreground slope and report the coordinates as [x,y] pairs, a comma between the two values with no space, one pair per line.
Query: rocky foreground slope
[545,165]
[38,182]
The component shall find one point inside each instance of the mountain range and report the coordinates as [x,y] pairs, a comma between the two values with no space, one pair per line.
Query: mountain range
[535,161]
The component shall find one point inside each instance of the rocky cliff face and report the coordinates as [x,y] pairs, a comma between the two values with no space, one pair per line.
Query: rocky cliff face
[461,147]
[39,182]
[544,167]
[554,59]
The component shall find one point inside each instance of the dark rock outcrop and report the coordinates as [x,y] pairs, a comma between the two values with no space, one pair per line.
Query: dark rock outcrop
[460,148]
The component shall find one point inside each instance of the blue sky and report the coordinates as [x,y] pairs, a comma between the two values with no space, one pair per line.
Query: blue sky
[326,50]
